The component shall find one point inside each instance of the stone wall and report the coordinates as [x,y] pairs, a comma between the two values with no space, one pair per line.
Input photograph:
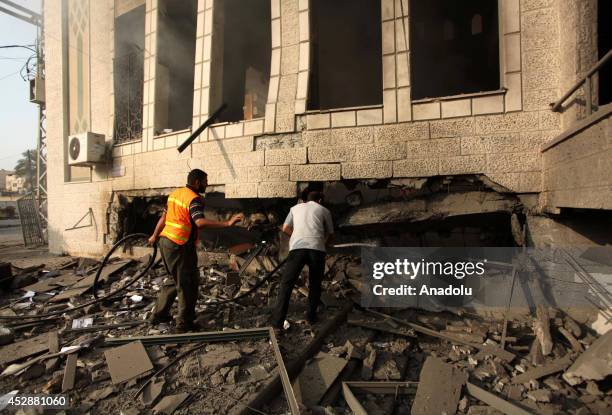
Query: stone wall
[497,133]
[578,169]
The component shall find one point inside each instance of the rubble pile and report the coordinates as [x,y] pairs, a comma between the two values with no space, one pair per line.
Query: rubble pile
[107,358]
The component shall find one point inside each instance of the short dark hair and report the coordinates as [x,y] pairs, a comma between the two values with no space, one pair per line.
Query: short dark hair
[314,197]
[196,174]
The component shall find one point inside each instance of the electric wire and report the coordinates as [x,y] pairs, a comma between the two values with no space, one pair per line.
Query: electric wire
[107,296]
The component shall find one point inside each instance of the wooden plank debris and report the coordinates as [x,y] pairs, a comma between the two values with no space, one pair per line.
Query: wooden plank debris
[127,362]
[439,388]
[54,343]
[25,348]
[69,372]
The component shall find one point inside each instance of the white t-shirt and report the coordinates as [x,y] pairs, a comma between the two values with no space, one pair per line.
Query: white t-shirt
[311,224]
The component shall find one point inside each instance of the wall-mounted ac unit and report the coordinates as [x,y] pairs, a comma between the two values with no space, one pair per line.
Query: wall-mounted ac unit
[37,90]
[86,149]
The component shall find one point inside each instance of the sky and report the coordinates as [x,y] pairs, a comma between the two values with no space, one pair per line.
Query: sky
[18,117]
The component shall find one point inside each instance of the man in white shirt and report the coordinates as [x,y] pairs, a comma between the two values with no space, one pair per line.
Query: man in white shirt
[310,227]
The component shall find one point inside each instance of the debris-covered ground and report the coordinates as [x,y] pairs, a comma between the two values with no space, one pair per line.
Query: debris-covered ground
[412,361]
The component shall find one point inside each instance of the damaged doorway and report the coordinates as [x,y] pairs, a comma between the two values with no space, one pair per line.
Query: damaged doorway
[242,49]
[454,47]
[346,54]
[176,40]
[128,72]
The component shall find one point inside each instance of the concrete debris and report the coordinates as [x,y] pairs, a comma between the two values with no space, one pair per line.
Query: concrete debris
[541,327]
[594,364]
[513,372]
[555,366]
[317,377]
[152,391]
[169,404]
[439,388]
[127,362]
[367,370]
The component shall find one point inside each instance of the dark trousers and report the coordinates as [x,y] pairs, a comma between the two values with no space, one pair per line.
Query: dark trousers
[182,264]
[293,267]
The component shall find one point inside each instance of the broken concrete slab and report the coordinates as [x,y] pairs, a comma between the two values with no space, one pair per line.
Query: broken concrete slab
[169,404]
[127,362]
[317,377]
[548,369]
[594,364]
[439,388]
[25,348]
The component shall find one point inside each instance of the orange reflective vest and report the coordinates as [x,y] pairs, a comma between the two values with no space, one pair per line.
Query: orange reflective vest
[178,220]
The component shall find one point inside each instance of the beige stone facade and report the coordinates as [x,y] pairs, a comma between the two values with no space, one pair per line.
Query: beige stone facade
[496,133]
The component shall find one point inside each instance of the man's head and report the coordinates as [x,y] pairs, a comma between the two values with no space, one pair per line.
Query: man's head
[198,179]
[315,197]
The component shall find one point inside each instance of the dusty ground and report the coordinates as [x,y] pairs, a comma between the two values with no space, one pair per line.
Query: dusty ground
[386,352]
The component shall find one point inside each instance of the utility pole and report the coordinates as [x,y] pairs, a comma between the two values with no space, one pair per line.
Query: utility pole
[24,14]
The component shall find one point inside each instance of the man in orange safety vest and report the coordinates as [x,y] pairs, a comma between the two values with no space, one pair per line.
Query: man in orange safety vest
[177,237]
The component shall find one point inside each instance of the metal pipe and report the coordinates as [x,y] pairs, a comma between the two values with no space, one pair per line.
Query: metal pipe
[201,128]
[212,336]
[557,105]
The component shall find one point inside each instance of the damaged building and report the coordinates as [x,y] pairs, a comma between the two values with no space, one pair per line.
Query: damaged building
[433,115]
[438,123]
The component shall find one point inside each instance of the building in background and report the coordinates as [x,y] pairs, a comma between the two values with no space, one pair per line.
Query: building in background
[3,175]
[425,122]
[15,184]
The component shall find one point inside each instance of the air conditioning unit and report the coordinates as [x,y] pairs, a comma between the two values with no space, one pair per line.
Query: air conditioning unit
[86,149]
[37,90]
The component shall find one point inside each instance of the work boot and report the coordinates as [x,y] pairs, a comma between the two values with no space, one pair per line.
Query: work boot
[189,327]
[156,319]
[311,318]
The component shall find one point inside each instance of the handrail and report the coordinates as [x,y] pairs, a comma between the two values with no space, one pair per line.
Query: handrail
[556,106]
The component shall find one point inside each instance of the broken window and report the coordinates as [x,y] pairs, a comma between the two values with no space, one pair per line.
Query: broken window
[128,71]
[604,45]
[454,47]
[242,49]
[346,54]
[176,40]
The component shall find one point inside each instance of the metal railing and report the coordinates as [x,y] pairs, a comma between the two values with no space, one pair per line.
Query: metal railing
[588,86]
